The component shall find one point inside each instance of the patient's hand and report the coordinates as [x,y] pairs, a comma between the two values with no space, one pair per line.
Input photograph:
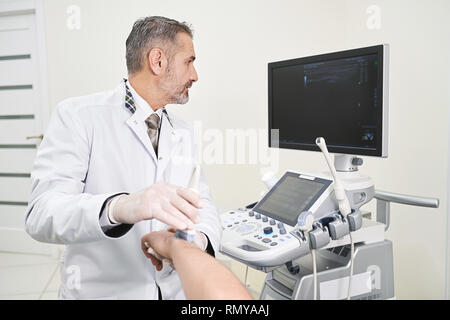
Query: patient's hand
[164,244]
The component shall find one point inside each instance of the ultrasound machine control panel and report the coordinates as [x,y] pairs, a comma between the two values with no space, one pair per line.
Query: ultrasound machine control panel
[269,235]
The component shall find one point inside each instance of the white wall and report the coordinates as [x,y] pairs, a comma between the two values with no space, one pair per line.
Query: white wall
[235,40]
[419,34]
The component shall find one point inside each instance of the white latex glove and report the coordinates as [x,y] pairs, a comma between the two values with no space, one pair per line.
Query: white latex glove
[172,205]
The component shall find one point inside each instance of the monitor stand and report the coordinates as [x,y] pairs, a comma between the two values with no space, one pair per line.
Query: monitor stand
[347,170]
[347,163]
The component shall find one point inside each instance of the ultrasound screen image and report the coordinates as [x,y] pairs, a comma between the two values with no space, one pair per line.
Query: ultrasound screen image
[335,99]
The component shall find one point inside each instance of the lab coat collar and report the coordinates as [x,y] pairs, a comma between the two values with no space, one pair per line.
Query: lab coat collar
[145,108]
[138,102]
[168,137]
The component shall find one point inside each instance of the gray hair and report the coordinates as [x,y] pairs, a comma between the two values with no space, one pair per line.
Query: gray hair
[148,33]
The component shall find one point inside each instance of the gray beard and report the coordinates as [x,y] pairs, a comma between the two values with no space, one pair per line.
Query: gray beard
[179,97]
[182,99]
[175,98]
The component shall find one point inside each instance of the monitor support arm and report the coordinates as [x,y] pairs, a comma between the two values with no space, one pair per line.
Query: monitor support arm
[347,163]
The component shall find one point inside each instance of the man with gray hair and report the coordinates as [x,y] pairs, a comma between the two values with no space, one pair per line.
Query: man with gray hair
[114,166]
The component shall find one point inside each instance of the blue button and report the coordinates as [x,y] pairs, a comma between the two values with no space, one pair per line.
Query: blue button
[268,230]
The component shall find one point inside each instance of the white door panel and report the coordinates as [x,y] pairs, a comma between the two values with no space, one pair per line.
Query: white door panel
[23,108]
[15,131]
[16,72]
[17,101]
[16,22]
[15,189]
[12,216]
[17,240]
[16,160]
[16,42]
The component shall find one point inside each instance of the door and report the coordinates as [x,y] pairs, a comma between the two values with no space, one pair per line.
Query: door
[23,110]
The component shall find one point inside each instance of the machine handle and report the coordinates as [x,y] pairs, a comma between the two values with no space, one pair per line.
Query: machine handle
[406,199]
[385,198]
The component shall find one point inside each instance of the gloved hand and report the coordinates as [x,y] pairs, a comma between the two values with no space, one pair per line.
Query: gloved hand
[172,205]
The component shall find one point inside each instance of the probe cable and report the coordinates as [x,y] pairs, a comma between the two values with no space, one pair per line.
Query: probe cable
[352,251]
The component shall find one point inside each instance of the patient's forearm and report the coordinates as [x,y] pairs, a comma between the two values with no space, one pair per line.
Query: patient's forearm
[203,277]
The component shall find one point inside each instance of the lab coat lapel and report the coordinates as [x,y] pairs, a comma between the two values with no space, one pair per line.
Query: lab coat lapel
[141,133]
[169,142]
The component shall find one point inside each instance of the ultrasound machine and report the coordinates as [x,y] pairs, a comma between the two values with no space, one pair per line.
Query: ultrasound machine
[308,232]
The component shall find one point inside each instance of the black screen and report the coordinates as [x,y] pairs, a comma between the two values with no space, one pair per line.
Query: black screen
[334,97]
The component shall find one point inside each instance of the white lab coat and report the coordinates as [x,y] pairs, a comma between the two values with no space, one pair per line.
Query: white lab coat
[95,148]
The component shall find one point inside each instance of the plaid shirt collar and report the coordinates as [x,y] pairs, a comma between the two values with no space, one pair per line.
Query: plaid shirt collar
[131,105]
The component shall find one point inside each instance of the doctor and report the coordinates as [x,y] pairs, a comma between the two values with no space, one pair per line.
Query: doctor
[114,166]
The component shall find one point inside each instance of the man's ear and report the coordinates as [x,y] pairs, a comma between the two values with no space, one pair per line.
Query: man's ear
[157,61]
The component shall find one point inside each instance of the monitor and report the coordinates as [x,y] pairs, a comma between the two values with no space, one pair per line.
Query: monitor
[290,196]
[340,96]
